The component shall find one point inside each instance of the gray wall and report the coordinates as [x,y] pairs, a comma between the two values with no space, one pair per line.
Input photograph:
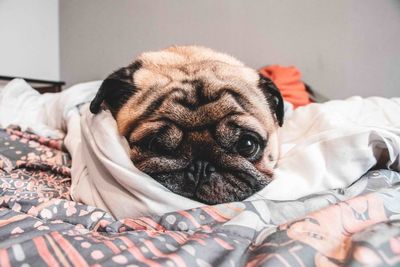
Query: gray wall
[29,39]
[342,47]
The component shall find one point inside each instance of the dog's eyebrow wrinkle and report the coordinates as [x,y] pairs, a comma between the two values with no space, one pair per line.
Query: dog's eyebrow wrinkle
[240,100]
[206,126]
[203,100]
[150,91]
[144,130]
[184,70]
[156,104]
[199,99]
[199,87]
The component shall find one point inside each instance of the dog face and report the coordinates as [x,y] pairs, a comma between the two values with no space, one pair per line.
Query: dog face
[197,121]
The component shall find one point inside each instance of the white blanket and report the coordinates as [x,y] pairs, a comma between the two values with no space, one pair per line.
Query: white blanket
[324,146]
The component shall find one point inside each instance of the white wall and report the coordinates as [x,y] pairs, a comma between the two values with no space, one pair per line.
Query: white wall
[342,47]
[29,39]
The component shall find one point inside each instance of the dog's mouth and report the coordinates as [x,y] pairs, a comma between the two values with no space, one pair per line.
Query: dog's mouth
[218,187]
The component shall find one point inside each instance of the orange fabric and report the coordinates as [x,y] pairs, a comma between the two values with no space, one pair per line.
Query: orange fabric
[288,81]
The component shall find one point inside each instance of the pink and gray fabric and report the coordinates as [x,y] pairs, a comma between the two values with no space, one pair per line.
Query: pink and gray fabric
[40,225]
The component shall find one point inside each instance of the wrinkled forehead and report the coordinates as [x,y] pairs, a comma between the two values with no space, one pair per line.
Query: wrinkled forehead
[194,95]
[192,87]
[212,73]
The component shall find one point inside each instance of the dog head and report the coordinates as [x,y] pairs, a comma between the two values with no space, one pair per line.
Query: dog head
[199,122]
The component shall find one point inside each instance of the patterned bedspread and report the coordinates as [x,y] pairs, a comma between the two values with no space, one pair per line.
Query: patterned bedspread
[40,225]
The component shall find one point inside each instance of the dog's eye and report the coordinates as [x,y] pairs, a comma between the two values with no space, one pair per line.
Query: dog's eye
[248,146]
[153,144]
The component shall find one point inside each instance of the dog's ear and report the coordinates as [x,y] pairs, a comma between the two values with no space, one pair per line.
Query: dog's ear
[273,97]
[116,89]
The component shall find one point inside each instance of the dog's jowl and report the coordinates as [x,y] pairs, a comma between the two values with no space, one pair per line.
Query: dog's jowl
[199,122]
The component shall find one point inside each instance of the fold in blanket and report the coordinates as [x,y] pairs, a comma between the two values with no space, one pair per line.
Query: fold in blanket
[324,146]
[357,226]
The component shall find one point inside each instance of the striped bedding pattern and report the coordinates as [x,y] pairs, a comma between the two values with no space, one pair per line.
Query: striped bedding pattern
[41,226]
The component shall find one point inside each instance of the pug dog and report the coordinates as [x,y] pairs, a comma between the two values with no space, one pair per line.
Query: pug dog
[199,122]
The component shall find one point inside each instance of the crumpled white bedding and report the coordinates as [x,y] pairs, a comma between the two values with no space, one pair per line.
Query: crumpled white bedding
[323,146]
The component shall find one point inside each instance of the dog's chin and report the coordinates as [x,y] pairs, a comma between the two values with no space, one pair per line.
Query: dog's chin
[219,188]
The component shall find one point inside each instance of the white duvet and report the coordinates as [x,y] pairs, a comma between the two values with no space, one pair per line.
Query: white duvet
[323,146]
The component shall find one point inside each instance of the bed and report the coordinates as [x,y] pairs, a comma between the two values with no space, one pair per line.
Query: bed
[40,225]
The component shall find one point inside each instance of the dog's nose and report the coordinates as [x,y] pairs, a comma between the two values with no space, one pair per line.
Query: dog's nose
[200,170]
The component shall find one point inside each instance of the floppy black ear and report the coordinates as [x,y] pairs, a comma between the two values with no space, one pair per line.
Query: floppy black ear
[116,89]
[273,96]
